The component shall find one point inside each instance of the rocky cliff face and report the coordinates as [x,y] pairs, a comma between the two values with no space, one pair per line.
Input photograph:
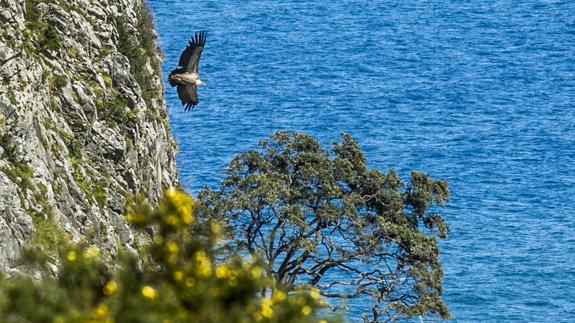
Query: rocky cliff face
[83,123]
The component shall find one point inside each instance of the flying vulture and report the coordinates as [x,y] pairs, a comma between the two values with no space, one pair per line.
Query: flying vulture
[186,76]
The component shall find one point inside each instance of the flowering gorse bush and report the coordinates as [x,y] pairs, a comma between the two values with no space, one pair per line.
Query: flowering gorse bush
[177,280]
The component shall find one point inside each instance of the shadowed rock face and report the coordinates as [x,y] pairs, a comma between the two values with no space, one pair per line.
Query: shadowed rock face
[83,123]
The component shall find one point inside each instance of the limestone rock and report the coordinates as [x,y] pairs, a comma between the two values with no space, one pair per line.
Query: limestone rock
[83,123]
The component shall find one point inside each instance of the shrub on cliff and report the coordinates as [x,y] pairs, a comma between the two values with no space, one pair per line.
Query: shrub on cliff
[323,219]
[179,281]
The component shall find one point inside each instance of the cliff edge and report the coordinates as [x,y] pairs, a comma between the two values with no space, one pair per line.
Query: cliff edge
[83,123]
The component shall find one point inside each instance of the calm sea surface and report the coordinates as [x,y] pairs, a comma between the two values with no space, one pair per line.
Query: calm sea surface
[481,93]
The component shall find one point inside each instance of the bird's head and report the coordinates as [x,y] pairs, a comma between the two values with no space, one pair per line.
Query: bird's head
[200,83]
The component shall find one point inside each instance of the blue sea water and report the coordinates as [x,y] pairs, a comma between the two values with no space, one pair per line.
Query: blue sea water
[481,93]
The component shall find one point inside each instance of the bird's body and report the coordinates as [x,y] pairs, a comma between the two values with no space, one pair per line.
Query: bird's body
[186,77]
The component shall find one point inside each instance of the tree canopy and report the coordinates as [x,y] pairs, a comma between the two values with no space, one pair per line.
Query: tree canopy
[318,215]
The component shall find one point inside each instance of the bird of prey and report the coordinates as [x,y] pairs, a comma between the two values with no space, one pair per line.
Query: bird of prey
[186,76]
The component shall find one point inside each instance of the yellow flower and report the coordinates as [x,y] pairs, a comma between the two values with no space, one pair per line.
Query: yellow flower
[173,247]
[266,301]
[204,268]
[183,204]
[110,288]
[222,272]
[314,293]
[172,220]
[186,213]
[93,252]
[101,310]
[279,296]
[72,255]
[149,292]
[190,282]
[256,272]
[306,310]
[132,217]
[170,193]
[216,228]
[178,275]
[267,310]
[200,255]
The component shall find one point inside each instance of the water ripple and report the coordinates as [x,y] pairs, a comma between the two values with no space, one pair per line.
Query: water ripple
[481,93]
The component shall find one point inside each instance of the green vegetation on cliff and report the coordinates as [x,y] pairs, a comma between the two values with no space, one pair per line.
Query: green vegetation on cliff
[180,281]
[40,35]
[82,125]
[140,49]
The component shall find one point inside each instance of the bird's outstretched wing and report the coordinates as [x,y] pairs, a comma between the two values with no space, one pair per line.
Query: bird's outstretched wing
[189,96]
[190,57]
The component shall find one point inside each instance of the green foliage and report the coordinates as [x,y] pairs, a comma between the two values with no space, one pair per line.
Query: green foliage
[74,52]
[113,107]
[117,111]
[181,281]
[79,177]
[104,51]
[48,234]
[49,38]
[91,187]
[99,194]
[40,35]
[19,172]
[107,79]
[141,48]
[12,96]
[316,215]
[57,82]
[31,14]
[8,147]
[74,147]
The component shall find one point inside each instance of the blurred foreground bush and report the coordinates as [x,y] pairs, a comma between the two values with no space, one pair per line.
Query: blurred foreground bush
[178,281]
